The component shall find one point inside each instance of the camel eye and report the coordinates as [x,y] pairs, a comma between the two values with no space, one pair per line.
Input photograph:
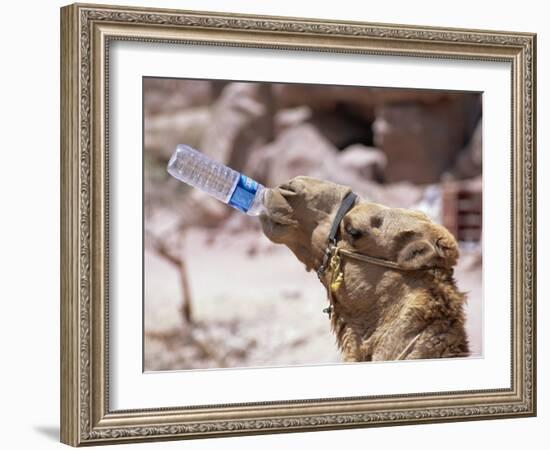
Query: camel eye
[353,232]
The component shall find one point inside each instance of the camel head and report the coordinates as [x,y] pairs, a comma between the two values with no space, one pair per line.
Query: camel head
[376,310]
[300,213]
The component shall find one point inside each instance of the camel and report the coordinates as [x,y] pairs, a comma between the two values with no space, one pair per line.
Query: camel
[410,308]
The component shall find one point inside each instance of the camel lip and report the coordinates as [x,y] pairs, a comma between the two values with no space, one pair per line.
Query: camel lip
[277,208]
[277,220]
[273,229]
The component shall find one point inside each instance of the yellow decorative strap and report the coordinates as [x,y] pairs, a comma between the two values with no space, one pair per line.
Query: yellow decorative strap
[337,277]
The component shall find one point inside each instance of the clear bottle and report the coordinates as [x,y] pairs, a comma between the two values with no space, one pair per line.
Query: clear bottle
[225,184]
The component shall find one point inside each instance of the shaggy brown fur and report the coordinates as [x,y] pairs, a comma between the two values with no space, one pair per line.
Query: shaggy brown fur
[379,313]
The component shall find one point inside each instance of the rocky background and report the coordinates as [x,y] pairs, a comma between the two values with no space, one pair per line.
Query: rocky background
[217,292]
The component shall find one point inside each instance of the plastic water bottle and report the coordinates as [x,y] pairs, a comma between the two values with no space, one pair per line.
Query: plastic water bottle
[225,184]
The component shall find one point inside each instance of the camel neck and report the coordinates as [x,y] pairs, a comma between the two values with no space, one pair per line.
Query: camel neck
[361,329]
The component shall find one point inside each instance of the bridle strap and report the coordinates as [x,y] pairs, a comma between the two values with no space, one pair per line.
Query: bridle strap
[377,261]
[345,206]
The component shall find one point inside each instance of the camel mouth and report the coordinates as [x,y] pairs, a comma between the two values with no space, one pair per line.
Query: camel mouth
[278,219]
[278,209]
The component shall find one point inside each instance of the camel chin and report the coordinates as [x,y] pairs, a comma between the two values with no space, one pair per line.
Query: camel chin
[377,310]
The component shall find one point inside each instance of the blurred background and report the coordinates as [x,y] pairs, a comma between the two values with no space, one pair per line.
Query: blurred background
[217,293]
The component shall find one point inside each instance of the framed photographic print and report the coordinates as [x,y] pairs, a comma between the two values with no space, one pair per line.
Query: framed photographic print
[281,224]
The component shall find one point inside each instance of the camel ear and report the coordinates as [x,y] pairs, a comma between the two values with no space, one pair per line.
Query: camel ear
[424,254]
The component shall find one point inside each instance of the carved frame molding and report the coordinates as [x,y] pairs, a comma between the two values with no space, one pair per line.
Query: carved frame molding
[86,31]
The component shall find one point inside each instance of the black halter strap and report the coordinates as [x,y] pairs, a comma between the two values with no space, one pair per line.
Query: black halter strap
[345,206]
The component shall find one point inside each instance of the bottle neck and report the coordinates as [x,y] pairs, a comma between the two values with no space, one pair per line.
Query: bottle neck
[258,204]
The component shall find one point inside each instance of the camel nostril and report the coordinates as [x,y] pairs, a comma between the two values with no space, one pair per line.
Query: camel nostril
[286,193]
[287,190]
[288,186]
[285,187]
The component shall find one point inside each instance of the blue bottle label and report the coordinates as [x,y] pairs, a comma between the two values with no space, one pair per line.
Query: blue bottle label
[244,193]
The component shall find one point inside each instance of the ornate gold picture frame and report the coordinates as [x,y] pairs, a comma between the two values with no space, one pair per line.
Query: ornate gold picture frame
[87,32]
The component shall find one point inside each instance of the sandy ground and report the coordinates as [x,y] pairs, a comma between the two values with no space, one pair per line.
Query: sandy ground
[254,305]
